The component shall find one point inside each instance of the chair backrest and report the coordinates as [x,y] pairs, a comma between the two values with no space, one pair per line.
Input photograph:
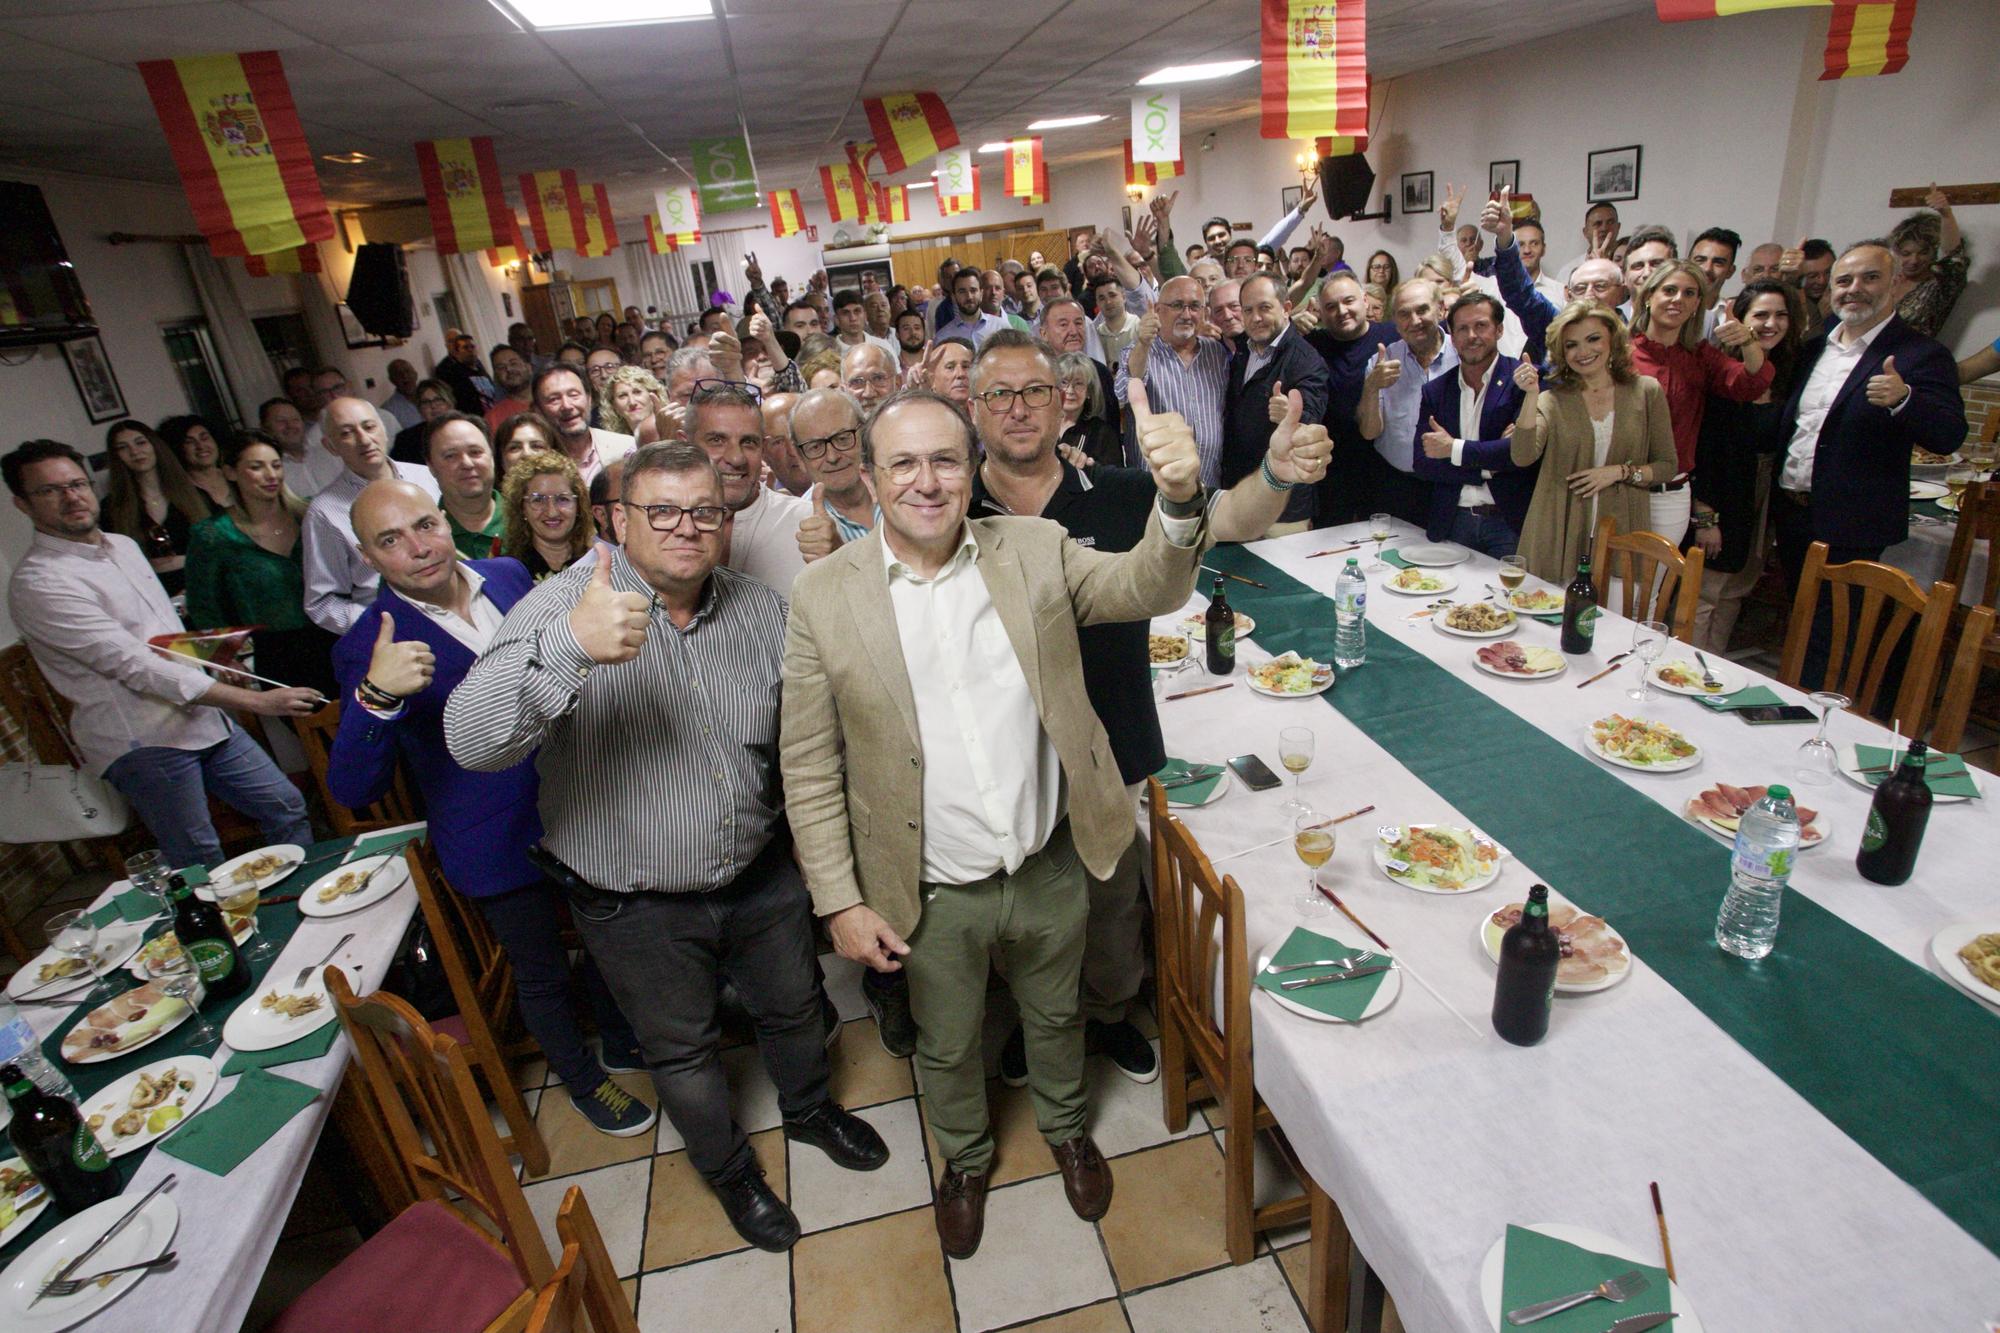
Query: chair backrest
[40,713]
[1655,574]
[1875,607]
[1978,521]
[426,1101]
[584,1282]
[1962,680]
[316,732]
[1203,920]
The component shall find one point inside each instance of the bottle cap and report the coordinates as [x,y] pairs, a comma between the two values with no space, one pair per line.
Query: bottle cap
[1780,792]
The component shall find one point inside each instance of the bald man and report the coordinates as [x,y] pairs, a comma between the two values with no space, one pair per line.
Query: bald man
[339,583]
[787,470]
[869,373]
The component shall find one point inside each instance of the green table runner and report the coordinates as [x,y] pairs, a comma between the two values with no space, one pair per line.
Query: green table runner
[1900,1060]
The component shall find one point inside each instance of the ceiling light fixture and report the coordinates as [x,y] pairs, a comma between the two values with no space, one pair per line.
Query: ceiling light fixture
[1064,122]
[998,146]
[922,185]
[353,159]
[1214,69]
[528,104]
[548,15]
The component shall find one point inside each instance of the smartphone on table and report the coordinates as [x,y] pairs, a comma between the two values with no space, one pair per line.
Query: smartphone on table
[1256,774]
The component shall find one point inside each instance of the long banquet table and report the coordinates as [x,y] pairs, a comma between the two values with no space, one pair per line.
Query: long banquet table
[1433,1134]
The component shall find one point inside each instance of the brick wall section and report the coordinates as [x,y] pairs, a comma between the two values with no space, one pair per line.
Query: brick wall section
[1981,397]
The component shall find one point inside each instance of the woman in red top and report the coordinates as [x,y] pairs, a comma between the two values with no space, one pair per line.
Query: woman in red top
[1667,344]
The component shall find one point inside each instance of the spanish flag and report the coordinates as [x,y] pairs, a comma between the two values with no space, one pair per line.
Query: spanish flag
[600,233]
[848,196]
[555,209]
[1868,38]
[1344,145]
[662,242]
[892,203]
[240,150]
[1679,11]
[909,127]
[788,215]
[1149,173]
[949,204]
[305,259]
[678,211]
[1027,170]
[512,246]
[467,196]
[1315,55]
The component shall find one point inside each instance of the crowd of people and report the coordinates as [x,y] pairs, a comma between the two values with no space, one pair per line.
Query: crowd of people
[829,613]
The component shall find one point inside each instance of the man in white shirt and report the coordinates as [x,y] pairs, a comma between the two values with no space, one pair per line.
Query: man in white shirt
[1600,233]
[728,424]
[150,723]
[1392,397]
[340,585]
[321,462]
[850,324]
[563,396]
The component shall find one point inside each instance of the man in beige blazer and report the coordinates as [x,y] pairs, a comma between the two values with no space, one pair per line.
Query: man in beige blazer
[946,778]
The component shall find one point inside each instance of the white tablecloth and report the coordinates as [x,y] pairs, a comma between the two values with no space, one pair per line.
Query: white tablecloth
[1922,556]
[1433,1133]
[230,1224]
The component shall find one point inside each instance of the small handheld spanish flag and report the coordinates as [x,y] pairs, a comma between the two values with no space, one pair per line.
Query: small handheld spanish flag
[467,198]
[1868,38]
[305,259]
[600,233]
[1151,173]
[1315,57]
[909,127]
[555,209]
[1027,170]
[788,215]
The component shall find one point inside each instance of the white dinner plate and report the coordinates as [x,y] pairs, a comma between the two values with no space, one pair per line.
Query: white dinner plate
[1546,673]
[1850,768]
[1935,469]
[392,878]
[115,1101]
[27,1213]
[1187,652]
[254,1028]
[1513,623]
[1549,613]
[1323,677]
[1437,555]
[116,943]
[1388,834]
[1215,793]
[1385,994]
[1819,828]
[1671,766]
[1489,939]
[1444,582]
[219,879]
[153,1005]
[1944,950]
[147,1237]
[1927,490]
[1732,678]
[1196,628]
[1492,1266]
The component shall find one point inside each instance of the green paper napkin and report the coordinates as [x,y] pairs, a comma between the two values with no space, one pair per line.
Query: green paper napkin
[309,1047]
[131,905]
[219,1139]
[1541,1268]
[1345,1000]
[1755,696]
[1395,558]
[375,844]
[1194,793]
[1945,775]
[194,876]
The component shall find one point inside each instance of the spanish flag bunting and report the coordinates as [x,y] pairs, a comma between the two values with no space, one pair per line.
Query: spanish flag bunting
[240,150]
[600,233]
[466,193]
[909,127]
[1343,145]
[848,197]
[1151,173]
[1521,207]
[305,259]
[678,210]
[662,242]
[1868,38]
[1315,56]
[513,248]
[555,209]
[892,203]
[948,204]
[1027,170]
[788,215]
[1679,11]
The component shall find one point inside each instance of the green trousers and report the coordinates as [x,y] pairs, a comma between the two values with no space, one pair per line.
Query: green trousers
[1031,925]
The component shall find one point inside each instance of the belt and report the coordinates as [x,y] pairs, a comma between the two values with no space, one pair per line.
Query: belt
[1480,511]
[1677,484]
[1803,499]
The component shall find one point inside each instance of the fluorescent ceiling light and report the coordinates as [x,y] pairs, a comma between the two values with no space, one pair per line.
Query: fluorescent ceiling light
[548,14]
[1214,69]
[1064,122]
[997,146]
[922,185]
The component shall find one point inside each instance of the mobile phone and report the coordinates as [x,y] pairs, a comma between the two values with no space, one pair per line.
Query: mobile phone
[1256,774]
[1766,713]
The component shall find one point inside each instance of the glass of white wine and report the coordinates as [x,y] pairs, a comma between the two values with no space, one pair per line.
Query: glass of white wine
[1381,527]
[74,935]
[1312,839]
[1513,573]
[1959,476]
[242,900]
[1295,751]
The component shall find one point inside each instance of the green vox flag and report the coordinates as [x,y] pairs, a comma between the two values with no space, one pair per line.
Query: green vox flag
[723,175]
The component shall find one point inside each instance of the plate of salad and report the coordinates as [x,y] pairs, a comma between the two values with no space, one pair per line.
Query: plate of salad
[1437,858]
[1632,742]
[1417,581]
[1291,676]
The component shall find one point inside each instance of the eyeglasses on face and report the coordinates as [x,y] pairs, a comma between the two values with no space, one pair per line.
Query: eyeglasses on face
[1182,307]
[945,467]
[61,488]
[537,500]
[870,380]
[841,441]
[1001,401]
[665,518]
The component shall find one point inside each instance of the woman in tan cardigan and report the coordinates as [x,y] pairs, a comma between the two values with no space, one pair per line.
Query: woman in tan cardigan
[1601,434]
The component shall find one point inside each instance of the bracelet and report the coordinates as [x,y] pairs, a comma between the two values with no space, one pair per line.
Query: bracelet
[1699,521]
[374,696]
[1271,478]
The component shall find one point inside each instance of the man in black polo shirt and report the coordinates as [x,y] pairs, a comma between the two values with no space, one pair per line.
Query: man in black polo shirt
[1347,342]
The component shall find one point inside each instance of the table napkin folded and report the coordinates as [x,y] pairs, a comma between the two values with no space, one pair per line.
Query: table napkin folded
[1754,696]
[1345,1000]
[1945,774]
[1541,1268]
[219,1139]
[131,905]
[1395,558]
[1194,793]
[309,1047]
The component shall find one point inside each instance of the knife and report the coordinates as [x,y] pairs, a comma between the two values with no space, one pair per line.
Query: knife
[105,1239]
[1639,1323]
[1329,977]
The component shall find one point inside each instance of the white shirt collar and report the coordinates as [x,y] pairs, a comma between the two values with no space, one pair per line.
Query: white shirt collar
[1858,344]
[968,549]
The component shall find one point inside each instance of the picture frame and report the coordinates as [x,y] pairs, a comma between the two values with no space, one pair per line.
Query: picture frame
[1417,192]
[1288,199]
[96,383]
[1503,175]
[1612,175]
[350,329]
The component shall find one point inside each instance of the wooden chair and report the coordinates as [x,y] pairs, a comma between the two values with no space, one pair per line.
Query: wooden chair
[1975,647]
[1865,641]
[483,985]
[585,1282]
[1649,566]
[1989,429]
[316,732]
[467,1255]
[1978,521]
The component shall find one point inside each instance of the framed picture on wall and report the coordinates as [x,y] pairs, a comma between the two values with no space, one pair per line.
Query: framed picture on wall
[1503,176]
[103,400]
[350,328]
[1613,175]
[1417,192]
[1288,198]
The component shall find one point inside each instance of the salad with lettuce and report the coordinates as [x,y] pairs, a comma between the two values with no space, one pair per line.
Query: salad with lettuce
[1437,856]
[1639,742]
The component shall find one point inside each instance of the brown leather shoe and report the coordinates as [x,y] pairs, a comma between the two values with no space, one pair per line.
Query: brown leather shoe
[961,1212]
[1086,1177]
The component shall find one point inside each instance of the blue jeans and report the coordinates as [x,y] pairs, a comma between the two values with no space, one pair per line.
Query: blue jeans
[525,923]
[169,791]
[1487,534]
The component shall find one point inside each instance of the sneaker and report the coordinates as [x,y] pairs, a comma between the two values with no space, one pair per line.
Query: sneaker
[618,1058]
[1014,1059]
[1130,1051]
[612,1110]
[889,1001]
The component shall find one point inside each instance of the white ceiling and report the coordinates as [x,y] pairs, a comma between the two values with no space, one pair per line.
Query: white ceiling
[377,75]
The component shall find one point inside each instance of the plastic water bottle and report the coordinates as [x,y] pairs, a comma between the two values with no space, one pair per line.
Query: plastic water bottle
[1767,842]
[20,1046]
[1350,607]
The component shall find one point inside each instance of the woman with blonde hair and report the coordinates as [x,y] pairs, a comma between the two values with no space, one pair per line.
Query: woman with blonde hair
[548,513]
[1600,433]
[151,499]
[1931,264]
[1375,302]
[630,401]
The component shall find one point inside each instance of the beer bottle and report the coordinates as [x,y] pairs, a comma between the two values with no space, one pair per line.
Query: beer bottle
[1220,626]
[57,1146]
[1580,611]
[1895,828]
[1526,985]
[205,938]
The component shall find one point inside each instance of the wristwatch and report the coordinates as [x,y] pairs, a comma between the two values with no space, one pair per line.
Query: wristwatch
[1632,474]
[1188,508]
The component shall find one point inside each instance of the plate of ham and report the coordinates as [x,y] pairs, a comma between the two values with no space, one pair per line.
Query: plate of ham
[1720,807]
[1594,956]
[1520,661]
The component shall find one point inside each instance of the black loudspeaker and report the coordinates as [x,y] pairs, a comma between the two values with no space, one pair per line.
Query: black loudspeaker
[379,291]
[1345,183]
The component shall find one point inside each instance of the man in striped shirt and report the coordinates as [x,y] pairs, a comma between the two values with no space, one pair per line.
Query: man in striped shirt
[649,678]
[1183,371]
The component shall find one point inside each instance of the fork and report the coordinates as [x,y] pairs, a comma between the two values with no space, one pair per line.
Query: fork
[70,1286]
[307,970]
[1620,1288]
[1708,678]
[1365,956]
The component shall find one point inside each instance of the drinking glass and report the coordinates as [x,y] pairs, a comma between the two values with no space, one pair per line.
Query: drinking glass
[1649,640]
[1380,528]
[1295,751]
[180,979]
[148,872]
[1314,845]
[1818,761]
[1513,572]
[1957,477]
[74,935]
[239,900]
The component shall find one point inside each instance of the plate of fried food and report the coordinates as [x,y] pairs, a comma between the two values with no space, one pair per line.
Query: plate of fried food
[356,885]
[137,1018]
[1168,652]
[261,868]
[1594,956]
[1968,953]
[271,1017]
[148,1102]
[156,954]
[1417,581]
[1291,677]
[1475,620]
[50,975]
[1680,675]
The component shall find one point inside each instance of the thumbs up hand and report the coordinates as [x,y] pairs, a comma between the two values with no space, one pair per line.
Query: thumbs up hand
[1437,441]
[1382,372]
[818,535]
[1888,389]
[1168,444]
[1299,453]
[607,624]
[1283,404]
[401,669]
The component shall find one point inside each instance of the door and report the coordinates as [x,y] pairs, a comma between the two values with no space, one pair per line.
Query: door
[200,372]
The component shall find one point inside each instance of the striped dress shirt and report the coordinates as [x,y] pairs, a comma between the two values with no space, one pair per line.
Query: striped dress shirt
[657,774]
[1195,389]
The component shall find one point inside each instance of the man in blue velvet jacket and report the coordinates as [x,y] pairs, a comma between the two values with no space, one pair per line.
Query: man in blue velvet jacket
[1479,498]
[397,665]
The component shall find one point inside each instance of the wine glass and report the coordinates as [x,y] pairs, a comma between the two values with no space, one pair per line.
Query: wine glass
[1295,751]
[242,900]
[148,872]
[1649,640]
[1957,477]
[1513,572]
[1818,761]
[180,978]
[1312,839]
[74,935]
[1380,529]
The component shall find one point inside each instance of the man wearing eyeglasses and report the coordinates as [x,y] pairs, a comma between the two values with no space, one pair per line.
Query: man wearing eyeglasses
[1182,371]
[826,435]
[649,680]
[726,420]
